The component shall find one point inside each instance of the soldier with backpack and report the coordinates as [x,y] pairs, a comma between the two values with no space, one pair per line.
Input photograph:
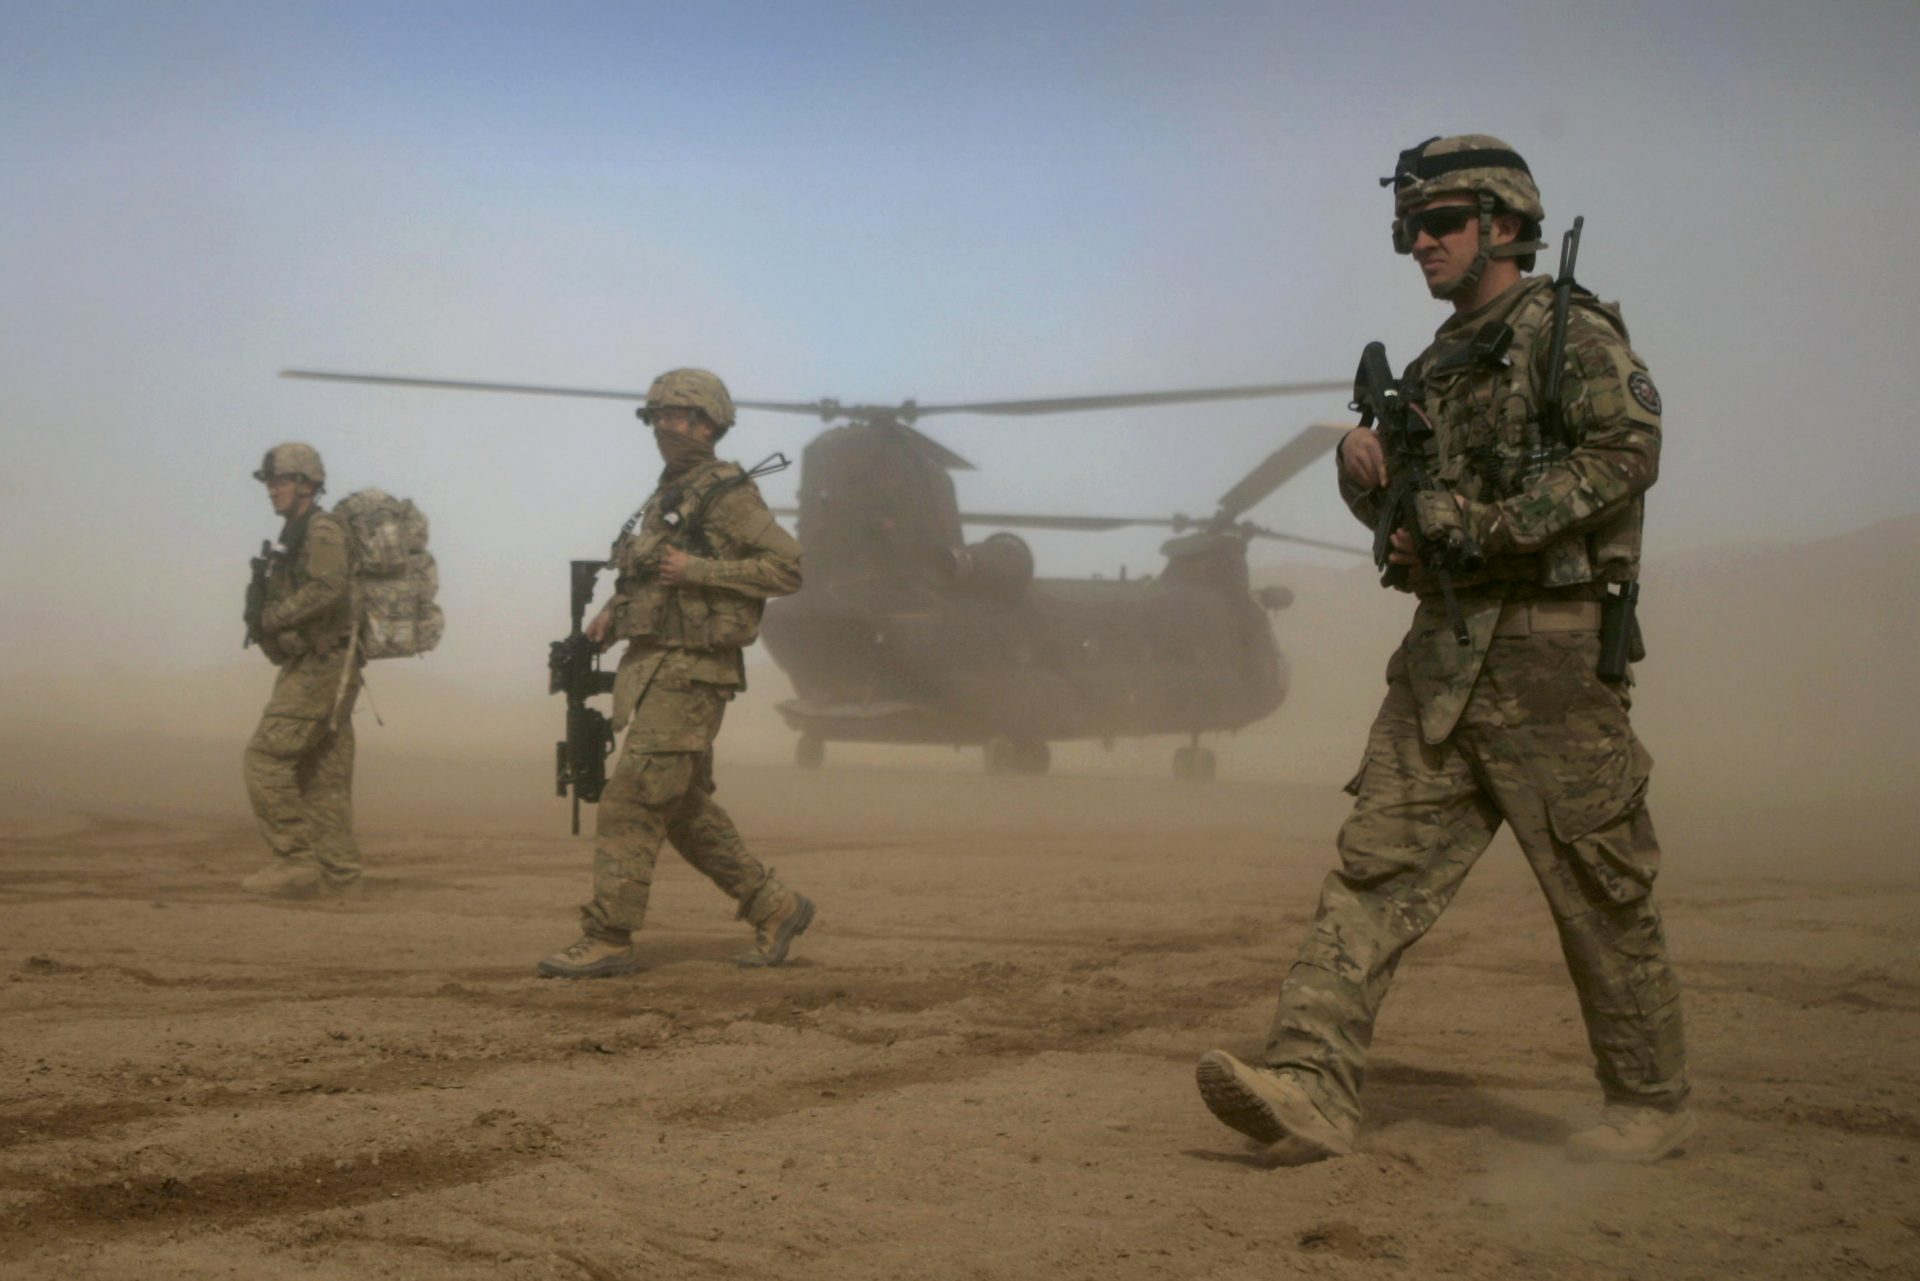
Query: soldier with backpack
[343,587]
[300,611]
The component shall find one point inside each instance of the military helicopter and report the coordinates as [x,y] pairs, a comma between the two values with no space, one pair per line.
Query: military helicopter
[904,632]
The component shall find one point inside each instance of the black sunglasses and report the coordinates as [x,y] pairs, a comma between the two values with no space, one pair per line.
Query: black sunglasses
[1438,221]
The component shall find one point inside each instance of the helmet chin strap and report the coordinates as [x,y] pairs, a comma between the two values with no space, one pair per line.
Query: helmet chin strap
[1488,252]
[1467,279]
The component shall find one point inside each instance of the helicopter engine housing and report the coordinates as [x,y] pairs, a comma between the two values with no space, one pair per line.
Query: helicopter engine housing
[999,565]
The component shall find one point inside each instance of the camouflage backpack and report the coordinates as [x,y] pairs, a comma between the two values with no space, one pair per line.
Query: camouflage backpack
[394,574]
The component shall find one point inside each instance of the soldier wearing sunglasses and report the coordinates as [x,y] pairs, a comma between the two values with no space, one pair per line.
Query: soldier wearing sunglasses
[1516,726]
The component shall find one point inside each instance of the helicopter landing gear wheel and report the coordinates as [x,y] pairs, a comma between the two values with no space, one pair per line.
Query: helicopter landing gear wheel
[1194,764]
[1017,756]
[810,752]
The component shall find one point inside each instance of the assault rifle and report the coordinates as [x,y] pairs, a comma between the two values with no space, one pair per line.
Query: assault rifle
[573,669]
[257,593]
[1548,440]
[1414,501]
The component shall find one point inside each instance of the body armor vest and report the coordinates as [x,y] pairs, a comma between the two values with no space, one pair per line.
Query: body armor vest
[1482,390]
[686,615]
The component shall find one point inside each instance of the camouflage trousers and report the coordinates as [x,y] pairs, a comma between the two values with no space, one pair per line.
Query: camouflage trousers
[657,796]
[299,772]
[1546,747]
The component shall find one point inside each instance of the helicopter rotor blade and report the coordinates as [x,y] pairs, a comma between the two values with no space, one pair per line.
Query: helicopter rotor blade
[456,384]
[1074,404]
[825,410]
[828,409]
[1282,465]
[935,450]
[1011,520]
[1256,531]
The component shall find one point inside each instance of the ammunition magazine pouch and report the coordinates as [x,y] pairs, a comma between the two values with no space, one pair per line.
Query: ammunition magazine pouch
[688,616]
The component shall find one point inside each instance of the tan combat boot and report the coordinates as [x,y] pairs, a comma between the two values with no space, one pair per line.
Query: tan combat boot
[284,878]
[1270,1108]
[1629,1133]
[775,932]
[590,958]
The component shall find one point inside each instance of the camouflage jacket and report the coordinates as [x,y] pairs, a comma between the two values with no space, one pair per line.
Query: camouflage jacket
[738,558]
[309,598]
[1569,532]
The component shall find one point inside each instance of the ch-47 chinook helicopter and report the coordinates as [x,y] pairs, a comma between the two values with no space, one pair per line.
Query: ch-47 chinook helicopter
[906,633]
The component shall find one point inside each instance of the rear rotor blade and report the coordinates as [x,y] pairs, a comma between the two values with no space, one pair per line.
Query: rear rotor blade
[1074,404]
[1282,465]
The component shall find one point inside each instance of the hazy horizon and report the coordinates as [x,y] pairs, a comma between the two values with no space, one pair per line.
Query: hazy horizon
[873,202]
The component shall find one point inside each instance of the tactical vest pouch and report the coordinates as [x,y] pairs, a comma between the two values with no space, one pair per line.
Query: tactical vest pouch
[638,556]
[638,615]
[1564,562]
[641,598]
[733,621]
[690,614]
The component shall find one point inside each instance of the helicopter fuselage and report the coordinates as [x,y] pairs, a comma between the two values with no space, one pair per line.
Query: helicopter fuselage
[1065,659]
[903,633]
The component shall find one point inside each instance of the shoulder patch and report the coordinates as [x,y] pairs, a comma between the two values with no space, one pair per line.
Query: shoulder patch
[1643,391]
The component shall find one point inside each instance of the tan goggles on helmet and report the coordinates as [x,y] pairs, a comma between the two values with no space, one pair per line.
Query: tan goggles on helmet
[1438,221]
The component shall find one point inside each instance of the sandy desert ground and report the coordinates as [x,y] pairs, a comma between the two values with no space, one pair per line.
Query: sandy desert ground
[979,1066]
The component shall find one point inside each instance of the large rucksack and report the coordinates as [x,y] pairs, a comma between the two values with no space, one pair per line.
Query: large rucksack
[395,576]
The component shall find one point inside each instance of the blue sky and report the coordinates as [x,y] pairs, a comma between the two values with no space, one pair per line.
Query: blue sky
[874,202]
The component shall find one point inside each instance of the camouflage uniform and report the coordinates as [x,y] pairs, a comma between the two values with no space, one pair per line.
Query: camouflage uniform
[299,763]
[1514,727]
[682,665]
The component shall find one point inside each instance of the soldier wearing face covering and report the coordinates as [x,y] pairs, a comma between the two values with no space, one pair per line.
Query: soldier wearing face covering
[695,567]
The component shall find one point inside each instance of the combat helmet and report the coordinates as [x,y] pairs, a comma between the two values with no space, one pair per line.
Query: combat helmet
[294,458]
[1475,164]
[690,389]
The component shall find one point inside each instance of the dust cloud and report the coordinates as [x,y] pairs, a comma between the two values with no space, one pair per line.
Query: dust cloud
[980,1062]
[1779,701]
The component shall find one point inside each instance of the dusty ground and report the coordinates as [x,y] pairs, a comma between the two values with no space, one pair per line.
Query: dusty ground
[980,1066]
